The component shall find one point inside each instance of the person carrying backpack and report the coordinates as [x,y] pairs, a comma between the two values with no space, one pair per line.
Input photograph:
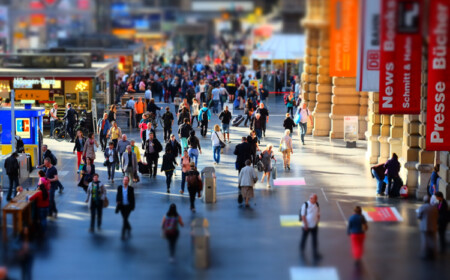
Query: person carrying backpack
[12,170]
[194,183]
[96,195]
[204,116]
[184,131]
[170,227]
[310,217]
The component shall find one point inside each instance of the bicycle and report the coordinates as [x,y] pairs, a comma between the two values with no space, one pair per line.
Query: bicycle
[156,119]
[60,132]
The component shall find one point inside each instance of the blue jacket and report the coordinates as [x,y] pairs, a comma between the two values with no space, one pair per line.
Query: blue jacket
[200,113]
[105,128]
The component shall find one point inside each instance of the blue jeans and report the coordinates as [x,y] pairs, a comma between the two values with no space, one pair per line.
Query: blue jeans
[52,127]
[43,212]
[53,188]
[379,182]
[215,106]
[225,128]
[193,154]
[111,166]
[13,183]
[217,154]
[183,180]
[258,133]
[169,178]
[303,128]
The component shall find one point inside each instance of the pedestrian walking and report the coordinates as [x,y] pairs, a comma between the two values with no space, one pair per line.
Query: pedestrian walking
[90,147]
[96,195]
[121,146]
[444,217]
[139,108]
[249,110]
[264,113]
[225,116]
[184,131]
[289,123]
[129,164]
[287,149]
[125,203]
[184,114]
[252,140]
[215,98]
[115,132]
[303,114]
[152,149]
[71,119]
[174,146]
[42,204]
[195,184]
[168,120]
[177,102]
[87,174]
[194,147]
[168,166]
[217,141]
[52,176]
[103,127]
[170,227]
[204,117]
[111,160]
[392,169]
[223,95]
[266,158]
[53,118]
[310,217]
[143,126]
[257,125]
[194,112]
[12,170]
[246,182]
[357,227]
[290,104]
[80,142]
[243,152]
[428,225]
[185,167]
[112,113]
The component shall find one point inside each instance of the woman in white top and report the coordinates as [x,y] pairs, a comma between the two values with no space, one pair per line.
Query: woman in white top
[286,148]
[195,112]
[216,139]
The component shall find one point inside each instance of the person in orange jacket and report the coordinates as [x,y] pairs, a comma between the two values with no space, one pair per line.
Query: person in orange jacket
[139,108]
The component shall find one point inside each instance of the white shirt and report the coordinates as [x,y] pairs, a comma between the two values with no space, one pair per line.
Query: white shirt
[53,111]
[148,94]
[312,214]
[304,113]
[215,139]
[111,156]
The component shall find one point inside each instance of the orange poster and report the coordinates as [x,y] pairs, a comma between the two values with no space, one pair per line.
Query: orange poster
[343,38]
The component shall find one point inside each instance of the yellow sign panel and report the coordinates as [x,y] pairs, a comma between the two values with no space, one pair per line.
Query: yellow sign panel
[254,83]
[32,94]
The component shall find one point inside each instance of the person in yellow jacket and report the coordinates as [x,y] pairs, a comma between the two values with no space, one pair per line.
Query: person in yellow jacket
[139,108]
[135,149]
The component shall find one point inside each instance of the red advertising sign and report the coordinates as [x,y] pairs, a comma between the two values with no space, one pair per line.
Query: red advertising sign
[438,104]
[382,214]
[400,56]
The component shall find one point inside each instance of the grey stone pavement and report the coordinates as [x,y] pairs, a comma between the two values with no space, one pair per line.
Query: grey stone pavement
[244,243]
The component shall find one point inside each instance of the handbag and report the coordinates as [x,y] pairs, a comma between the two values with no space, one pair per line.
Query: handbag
[222,144]
[105,163]
[117,166]
[274,172]
[105,202]
[95,148]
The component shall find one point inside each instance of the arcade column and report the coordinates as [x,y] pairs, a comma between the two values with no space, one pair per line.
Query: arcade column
[410,153]
[385,133]
[363,117]
[373,129]
[443,158]
[309,76]
[345,102]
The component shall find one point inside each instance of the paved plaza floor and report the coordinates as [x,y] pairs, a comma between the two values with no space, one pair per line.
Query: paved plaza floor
[261,242]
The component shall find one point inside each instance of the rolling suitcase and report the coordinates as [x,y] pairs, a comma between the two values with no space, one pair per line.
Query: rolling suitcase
[143,168]
[237,120]
[30,165]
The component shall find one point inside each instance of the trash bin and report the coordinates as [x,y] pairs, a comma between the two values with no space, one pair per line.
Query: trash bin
[209,184]
[24,169]
[200,242]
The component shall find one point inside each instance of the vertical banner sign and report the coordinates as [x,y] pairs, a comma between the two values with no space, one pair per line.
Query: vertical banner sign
[368,77]
[438,104]
[401,56]
[344,38]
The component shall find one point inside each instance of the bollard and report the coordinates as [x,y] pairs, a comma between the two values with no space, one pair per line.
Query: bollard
[209,184]
[200,242]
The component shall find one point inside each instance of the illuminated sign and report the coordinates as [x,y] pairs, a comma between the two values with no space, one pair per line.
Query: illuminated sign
[21,83]
[23,127]
[81,86]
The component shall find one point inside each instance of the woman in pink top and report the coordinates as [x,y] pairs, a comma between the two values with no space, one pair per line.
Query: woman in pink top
[184,163]
[43,180]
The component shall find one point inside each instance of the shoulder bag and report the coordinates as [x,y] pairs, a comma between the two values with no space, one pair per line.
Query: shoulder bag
[222,144]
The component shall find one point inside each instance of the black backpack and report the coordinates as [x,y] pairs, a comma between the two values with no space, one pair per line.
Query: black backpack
[205,116]
[53,159]
[306,210]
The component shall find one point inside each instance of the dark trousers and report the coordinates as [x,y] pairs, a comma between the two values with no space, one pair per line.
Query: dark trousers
[183,180]
[70,127]
[305,234]
[263,126]
[13,183]
[290,110]
[391,182]
[172,240]
[125,210]
[52,208]
[194,118]
[192,193]
[96,210]
[248,119]
[152,164]
[103,141]
[111,166]
[169,175]
[167,132]
[115,142]
[204,128]
[442,239]
[253,155]
[138,119]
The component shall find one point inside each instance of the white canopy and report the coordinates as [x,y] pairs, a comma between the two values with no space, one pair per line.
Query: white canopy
[281,47]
